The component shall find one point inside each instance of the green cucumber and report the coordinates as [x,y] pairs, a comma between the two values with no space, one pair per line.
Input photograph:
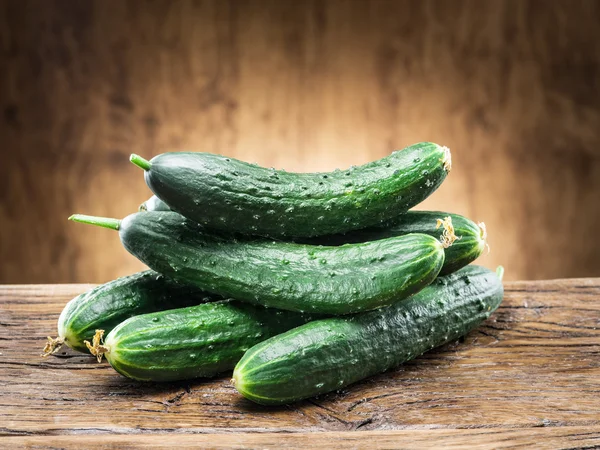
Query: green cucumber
[109,304]
[227,194]
[199,341]
[154,204]
[284,275]
[329,354]
[469,244]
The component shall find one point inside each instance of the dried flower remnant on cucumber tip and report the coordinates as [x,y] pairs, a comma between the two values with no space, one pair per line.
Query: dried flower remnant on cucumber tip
[447,159]
[52,346]
[448,236]
[483,235]
[96,348]
[500,272]
[483,230]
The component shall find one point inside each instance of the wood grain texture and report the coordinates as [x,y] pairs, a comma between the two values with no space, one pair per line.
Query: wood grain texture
[529,375]
[512,87]
[473,439]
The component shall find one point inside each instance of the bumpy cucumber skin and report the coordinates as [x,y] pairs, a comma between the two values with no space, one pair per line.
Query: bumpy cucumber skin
[283,275]
[469,246]
[107,305]
[154,204]
[466,249]
[329,354]
[230,195]
[199,341]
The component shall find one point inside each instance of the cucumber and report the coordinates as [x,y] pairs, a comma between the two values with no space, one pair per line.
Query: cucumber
[469,244]
[329,354]
[227,194]
[283,275]
[109,304]
[154,204]
[199,341]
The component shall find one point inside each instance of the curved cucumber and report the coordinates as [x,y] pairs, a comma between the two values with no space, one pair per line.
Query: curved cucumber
[297,277]
[328,354]
[226,194]
[109,304]
[469,244]
[154,204]
[200,341]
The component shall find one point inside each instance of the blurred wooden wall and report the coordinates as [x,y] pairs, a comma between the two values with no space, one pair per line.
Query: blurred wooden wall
[512,87]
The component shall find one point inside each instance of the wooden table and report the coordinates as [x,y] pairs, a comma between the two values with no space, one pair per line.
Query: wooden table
[530,376]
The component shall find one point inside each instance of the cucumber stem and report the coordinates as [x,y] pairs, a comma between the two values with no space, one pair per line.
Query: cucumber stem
[500,272]
[106,222]
[96,348]
[140,162]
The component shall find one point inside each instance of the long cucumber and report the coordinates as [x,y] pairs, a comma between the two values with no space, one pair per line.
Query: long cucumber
[109,304]
[468,238]
[329,354]
[199,341]
[226,194]
[470,242]
[284,275]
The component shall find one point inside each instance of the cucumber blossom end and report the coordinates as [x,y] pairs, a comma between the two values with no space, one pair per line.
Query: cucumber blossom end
[483,236]
[52,346]
[500,272]
[447,159]
[448,236]
[96,348]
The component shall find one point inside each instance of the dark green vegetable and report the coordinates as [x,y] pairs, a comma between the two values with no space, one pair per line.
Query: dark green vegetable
[200,341]
[326,280]
[154,204]
[469,244]
[109,304]
[226,194]
[329,354]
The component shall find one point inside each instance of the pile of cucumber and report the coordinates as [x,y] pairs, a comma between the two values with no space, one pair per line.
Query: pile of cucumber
[303,283]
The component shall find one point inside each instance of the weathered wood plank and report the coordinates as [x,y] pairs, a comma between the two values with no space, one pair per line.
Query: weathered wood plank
[538,438]
[535,363]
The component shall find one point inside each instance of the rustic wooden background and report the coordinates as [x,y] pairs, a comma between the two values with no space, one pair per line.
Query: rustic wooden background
[512,87]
